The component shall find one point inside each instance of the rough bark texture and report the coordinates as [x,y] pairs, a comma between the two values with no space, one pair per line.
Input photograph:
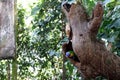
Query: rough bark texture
[7,38]
[95,59]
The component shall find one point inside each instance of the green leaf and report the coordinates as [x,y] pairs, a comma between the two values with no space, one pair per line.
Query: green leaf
[116,23]
[35,10]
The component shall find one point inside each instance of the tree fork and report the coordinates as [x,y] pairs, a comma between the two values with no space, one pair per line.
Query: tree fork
[95,59]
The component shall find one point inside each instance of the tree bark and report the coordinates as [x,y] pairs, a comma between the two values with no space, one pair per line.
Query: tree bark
[64,59]
[8,70]
[64,69]
[7,36]
[14,68]
[95,59]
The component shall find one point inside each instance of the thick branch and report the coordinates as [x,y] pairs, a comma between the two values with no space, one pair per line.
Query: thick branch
[94,24]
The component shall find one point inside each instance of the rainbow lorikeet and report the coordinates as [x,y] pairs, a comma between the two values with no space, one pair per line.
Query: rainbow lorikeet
[71,54]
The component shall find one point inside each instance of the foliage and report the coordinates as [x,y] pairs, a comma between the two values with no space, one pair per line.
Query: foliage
[3,70]
[38,42]
[110,28]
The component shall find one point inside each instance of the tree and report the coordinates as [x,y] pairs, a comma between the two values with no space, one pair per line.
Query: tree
[95,59]
[39,30]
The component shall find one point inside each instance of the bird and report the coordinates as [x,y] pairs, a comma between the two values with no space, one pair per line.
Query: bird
[71,55]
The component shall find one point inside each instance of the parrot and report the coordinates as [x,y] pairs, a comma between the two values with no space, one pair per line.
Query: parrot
[71,54]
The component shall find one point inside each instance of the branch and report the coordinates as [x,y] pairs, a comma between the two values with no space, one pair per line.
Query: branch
[75,63]
[94,24]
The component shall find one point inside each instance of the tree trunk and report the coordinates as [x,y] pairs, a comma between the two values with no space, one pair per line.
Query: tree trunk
[7,36]
[64,69]
[64,58]
[95,59]
[14,69]
[8,70]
